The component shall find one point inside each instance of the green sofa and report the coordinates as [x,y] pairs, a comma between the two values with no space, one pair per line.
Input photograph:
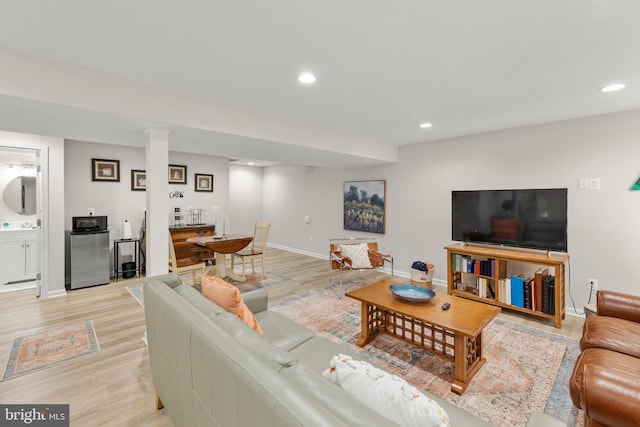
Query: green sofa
[210,369]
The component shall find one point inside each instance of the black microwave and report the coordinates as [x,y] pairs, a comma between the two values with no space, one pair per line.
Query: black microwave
[89,223]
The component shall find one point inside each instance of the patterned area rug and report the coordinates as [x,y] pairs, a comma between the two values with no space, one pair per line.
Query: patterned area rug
[527,370]
[256,281]
[45,349]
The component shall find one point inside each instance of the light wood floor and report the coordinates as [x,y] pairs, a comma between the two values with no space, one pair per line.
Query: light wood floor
[114,387]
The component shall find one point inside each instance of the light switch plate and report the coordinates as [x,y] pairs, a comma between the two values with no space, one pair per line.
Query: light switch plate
[583,184]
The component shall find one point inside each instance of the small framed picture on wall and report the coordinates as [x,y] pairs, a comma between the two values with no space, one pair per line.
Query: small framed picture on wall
[204,183]
[105,170]
[177,174]
[138,180]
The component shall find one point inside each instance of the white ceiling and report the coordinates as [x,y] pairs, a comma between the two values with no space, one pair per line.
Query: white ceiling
[221,75]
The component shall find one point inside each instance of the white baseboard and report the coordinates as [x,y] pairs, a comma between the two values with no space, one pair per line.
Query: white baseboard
[298,251]
[571,312]
[56,293]
[404,274]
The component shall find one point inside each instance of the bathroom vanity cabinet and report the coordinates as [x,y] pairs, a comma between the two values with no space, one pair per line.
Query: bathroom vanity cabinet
[19,254]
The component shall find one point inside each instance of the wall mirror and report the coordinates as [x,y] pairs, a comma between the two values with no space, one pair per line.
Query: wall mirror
[20,195]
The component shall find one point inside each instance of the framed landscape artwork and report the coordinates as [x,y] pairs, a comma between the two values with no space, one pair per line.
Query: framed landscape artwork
[363,206]
[177,174]
[204,183]
[105,170]
[138,180]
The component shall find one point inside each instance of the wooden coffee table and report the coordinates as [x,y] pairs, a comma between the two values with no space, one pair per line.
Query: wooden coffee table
[454,334]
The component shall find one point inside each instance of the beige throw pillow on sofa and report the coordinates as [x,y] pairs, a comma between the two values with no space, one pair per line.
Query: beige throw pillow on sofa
[387,394]
[228,297]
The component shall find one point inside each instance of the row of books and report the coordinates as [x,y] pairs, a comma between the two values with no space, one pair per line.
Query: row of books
[466,264]
[484,288]
[536,293]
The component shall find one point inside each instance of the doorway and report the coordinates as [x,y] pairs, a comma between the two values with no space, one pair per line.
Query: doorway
[21,219]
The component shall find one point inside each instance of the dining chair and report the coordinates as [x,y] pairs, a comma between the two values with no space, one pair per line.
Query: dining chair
[256,250]
[185,264]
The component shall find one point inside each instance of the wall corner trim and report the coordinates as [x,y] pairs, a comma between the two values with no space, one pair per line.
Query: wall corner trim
[55,294]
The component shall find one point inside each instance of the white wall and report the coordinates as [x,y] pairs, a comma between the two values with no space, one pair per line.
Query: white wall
[118,202]
[293,192]
[245,198]
[602,224]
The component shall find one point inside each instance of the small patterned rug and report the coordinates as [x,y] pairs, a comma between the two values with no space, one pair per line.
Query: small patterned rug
[527,369]
[34,352]
[136,292]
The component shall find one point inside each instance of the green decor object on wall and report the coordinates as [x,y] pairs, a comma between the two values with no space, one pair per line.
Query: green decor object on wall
[636,185]
[363,205]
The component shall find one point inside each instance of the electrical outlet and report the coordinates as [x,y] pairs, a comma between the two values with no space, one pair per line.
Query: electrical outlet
[592,284]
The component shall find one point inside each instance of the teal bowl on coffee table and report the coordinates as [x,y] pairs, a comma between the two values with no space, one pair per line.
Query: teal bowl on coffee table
[412,293]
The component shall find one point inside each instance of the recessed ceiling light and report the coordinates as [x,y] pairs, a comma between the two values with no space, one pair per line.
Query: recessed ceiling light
[425,125]
[306,78]
[613,87]
[250,163]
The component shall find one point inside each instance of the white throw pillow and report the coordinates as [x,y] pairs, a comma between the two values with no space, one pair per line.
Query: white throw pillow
[389,395]
[359,254]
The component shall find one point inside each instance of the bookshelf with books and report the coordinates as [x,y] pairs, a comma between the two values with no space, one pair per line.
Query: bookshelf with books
[526,281]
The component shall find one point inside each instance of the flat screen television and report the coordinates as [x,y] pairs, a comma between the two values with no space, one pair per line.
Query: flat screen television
[534,218]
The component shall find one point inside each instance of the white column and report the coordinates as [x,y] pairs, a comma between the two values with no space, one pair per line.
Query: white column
[157,173]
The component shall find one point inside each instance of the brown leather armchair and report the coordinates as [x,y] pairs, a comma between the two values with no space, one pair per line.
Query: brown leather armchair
[605,382]
[341,261]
